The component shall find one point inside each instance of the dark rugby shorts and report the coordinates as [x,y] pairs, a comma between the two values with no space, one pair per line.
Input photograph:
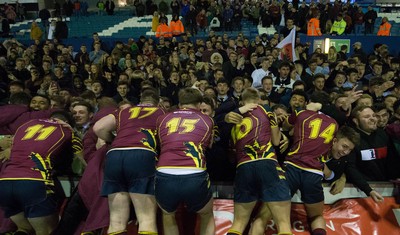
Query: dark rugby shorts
[28,196]
[129,171]
[193,189]
[309,184]
[261,180]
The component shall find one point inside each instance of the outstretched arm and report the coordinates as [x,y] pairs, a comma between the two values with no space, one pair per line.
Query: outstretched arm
[104,127]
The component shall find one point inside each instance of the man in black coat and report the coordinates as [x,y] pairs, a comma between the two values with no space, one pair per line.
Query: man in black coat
[45,15]
[61,31]
[110,6]
[369,19]
[5,27]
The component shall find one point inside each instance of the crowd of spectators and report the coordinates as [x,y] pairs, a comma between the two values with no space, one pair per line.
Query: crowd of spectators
[219,66]
[267,13]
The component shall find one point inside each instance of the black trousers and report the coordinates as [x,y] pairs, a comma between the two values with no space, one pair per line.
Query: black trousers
[74,212]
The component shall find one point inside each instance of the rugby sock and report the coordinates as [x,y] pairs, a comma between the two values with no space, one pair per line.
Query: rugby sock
[124,232]
[147,233]
[319,231]
[233,232]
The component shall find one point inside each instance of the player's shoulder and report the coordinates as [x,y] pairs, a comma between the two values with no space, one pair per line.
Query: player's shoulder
[327,117]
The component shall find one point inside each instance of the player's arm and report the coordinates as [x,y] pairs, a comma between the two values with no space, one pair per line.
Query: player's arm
[275,131]
[338,185]
[328,173]
[284,143]
[356,177]
[104,127]
[313,106]
[352,97]
[288,122]
[338,179]
[376,196]
[276,135]
[100,143]
[235,116]
[212,138]
[286,125]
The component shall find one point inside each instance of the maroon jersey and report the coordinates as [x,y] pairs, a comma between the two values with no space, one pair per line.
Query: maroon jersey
[8,113]
[252,137]
[90,138]
[13,116]
[184,134]
[312,139]
[136,127]
[39,146]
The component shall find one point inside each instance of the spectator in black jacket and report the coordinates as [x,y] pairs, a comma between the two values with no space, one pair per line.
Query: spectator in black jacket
[5,27]
[369,19]
[375,156]
[45,15]
[110,6]
[61,31]
[68,8]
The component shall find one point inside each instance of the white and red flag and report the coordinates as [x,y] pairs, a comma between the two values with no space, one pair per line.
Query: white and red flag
[287,46]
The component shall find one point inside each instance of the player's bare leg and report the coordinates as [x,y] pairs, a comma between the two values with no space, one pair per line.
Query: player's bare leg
[169,223]
[281,214]
[207,223]
[44,225]
[242,212]
[146,210]
[119,204]
[315,214]
[22,223]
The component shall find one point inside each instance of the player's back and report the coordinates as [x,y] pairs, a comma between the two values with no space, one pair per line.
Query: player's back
[136,127]
[312,139]
[184,134]
[36,146]
[252,137]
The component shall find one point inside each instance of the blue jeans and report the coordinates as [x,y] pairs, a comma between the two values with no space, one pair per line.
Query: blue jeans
[358,29]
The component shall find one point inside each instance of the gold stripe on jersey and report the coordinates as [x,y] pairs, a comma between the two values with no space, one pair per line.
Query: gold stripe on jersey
[131,148]
[260,159]
[297,111]
[263,108]
[270,116]
[53,148]
[208,128]
[34,179]
[302,138]
[49,181]
[319,172]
